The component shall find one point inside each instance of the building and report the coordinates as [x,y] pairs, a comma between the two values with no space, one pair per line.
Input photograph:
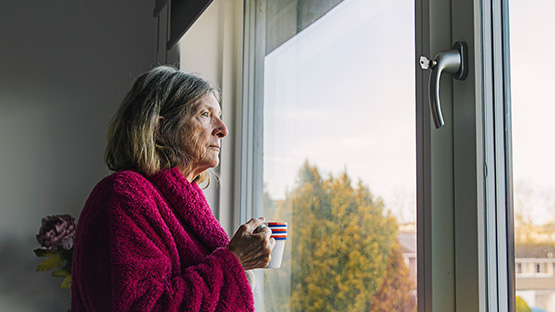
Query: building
[535,278]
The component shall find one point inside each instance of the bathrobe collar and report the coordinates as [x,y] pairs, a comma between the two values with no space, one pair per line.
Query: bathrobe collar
[187,201]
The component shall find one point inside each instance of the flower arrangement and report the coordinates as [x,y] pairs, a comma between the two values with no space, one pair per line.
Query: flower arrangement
[56,239]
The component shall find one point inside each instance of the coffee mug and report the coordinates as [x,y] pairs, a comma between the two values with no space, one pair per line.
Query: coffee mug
[279,233]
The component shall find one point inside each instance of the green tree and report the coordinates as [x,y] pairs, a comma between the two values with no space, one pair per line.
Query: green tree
[341,238]
[395,293]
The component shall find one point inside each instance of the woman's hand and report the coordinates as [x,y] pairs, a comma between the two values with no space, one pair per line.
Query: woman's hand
[251,247]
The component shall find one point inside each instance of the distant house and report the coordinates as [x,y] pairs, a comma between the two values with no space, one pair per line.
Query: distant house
[407,240]
[534,268]
[535,278]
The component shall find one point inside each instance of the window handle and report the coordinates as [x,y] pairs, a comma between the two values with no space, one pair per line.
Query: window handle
[453,62]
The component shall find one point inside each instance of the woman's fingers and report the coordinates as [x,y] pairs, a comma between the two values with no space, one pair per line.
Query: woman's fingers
[251,246]
[263,231]
[272,243]
[253,223]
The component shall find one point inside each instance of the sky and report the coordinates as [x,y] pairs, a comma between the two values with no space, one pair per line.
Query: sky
[533,106]
[340,94]
[342,97]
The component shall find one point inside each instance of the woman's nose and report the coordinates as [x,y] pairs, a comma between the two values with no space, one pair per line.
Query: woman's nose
[221,130]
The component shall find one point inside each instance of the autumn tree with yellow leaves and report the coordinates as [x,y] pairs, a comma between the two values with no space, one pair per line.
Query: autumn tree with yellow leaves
[341,238]
[396,292]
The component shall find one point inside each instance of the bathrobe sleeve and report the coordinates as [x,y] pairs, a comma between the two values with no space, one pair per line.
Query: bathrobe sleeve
[150,272]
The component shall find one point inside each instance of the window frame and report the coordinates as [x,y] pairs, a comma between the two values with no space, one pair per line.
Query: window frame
[466,248]
[472,206]
[250,188]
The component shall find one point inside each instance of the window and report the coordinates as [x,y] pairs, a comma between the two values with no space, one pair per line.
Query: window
[296,118]
[337,157]
[534,191]
[534,268]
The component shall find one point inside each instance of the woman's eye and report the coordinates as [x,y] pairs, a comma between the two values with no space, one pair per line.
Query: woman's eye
[205,114]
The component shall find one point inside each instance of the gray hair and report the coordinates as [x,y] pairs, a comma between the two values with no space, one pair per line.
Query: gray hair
[147,132]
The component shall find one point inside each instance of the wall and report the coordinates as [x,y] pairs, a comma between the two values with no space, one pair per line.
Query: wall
[212,48]
[65,66]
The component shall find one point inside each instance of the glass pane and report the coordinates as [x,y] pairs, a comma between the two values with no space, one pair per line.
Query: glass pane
[339,155]
[531,26]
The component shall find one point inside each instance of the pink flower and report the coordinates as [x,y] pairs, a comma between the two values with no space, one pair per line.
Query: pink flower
[57,231]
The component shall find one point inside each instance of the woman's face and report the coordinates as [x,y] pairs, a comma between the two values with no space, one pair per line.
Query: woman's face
[205,130]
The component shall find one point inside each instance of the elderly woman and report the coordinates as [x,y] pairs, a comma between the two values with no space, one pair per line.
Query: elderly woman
[146,239]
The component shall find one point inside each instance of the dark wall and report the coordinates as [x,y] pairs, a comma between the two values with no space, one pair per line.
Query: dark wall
[64,67]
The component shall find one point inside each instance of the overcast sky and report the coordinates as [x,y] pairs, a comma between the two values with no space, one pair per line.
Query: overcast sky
[533,103]
[341,94]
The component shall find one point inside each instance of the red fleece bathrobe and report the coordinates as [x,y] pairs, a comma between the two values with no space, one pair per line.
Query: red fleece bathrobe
[154,245]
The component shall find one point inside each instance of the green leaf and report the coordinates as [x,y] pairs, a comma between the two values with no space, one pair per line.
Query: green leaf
[67,282]
[39,252]
[50,263]
[61,272]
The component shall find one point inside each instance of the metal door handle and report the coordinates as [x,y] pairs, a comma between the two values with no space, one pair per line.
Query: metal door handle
[453,62]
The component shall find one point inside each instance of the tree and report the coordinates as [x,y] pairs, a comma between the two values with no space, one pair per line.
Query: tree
[341,238]
[395,293]
[534,221]
[521,305]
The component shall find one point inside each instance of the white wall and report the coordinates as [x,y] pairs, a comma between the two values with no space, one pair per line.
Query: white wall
[212,48]
[64,67]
